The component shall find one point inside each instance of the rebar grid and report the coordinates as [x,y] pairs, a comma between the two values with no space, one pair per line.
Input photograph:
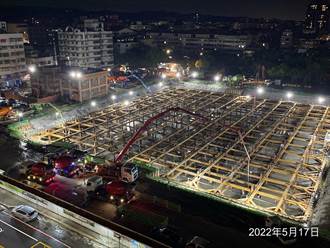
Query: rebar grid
[285,142]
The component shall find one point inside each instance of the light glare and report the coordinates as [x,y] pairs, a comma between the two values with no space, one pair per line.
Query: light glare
[321,99]
[194,74]
[260,90]
[93,103]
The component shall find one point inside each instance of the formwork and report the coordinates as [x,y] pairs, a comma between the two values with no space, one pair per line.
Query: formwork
[265,155]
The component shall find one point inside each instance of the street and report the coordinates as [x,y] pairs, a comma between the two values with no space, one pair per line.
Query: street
[15,233]
[42,231]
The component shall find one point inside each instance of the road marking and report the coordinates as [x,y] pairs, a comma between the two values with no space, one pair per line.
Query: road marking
[40,245]
[36,229]
[27,235]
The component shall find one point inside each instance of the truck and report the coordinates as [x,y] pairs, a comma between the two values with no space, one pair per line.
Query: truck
[118,192]
[127,172]
[64,165]
[41,173]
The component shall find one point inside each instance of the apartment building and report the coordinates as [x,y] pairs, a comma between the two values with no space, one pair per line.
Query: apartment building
[21,28]
[88,46]
[12,57]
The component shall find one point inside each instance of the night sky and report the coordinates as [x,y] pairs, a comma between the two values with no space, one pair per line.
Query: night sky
[283,9]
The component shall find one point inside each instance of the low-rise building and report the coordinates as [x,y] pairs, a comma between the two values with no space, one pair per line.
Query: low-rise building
[202,41]
[70,83]
[83,85]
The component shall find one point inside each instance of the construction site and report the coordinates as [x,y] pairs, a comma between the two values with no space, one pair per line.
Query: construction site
[264,155]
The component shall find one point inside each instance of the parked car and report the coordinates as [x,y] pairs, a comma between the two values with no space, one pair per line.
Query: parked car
[25,213]
[168,235]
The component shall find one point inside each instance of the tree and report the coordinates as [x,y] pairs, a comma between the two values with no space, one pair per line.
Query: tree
[141,56]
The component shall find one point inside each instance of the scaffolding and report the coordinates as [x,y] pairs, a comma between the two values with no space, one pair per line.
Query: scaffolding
[262,154]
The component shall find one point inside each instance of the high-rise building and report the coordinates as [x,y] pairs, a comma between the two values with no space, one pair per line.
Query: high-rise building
[317,17]
[87,47]
[12,57]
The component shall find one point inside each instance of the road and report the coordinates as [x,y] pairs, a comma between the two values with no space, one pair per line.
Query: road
[15,233]
[48,228]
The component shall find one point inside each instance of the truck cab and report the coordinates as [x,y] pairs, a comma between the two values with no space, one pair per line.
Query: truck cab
[65,166]
[129,173]
[124,172]
[93,183]
[41,173]
[119,192]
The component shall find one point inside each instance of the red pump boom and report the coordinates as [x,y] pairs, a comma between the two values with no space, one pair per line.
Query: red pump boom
[137,134]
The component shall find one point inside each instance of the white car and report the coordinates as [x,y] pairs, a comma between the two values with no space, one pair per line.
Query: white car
[24,213]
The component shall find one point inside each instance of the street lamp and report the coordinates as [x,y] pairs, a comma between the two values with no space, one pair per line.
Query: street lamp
[260,90]
[194,74]
[113,97]
[178,75]
[32,68]
[20,115]
[126,102]
[320,99]
[131,93]
[289,95]
[160,84]
[73,74]
[93,103]
[78,74]
[57,114]
[168,51]
[217,78]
